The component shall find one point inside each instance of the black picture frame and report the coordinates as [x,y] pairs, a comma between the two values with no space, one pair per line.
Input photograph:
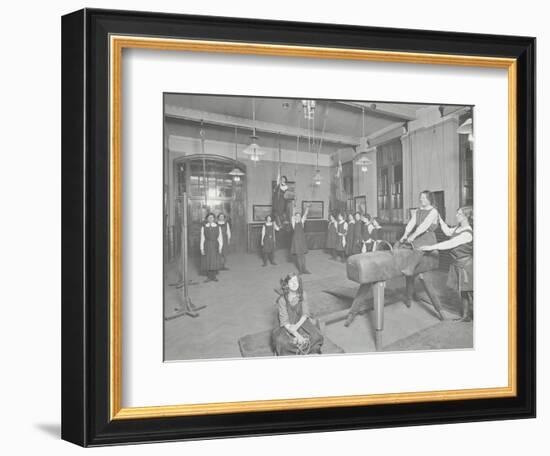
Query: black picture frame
[260,212]
[86,388]
[314,208]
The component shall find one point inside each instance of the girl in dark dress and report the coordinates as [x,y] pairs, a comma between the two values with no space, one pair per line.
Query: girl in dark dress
[370,233]
[342,231]
[226,233]
[296,333]
[280,201]
[211,247]
[461,248]
[298,245]
[421,228]
[332,236]
[357,234]
[268,240]
[350,236]
[419,232]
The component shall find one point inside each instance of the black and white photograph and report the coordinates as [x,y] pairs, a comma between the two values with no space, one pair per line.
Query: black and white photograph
[298,227]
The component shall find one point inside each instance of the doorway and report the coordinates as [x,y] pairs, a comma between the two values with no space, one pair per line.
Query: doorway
[210,188]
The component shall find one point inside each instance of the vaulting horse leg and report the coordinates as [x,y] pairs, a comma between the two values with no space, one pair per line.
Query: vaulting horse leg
[432,294]
[375,268]
[378,295]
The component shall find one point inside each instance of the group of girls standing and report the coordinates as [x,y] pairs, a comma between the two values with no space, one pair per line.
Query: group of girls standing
[419,236]
[214,246]
[346,238]
[298,245]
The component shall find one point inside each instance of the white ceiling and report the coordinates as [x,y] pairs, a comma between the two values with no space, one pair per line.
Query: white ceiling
[280,120]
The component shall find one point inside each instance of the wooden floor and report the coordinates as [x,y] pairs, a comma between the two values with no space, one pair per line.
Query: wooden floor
[243,302]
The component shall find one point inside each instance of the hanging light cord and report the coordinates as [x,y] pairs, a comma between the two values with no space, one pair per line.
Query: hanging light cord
[253,117]
[203,164]
[236,146]
[322,134]
[363,121]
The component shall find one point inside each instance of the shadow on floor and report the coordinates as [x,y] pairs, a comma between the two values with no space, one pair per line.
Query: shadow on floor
[51,429]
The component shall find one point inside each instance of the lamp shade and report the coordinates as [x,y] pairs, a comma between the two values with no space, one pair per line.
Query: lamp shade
[253,150]
[364,162]
[466,128]
[236,174]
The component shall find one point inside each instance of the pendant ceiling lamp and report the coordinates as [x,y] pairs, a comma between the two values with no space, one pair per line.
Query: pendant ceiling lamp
[253,150]
[364,162]
[317,178]
[236,173]
[467,128]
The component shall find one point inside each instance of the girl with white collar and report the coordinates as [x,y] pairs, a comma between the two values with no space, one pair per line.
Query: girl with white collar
[226,233]
[211,247]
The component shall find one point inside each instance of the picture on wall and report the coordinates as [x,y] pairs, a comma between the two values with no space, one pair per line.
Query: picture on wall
[260,212]
[316,209]
[251,257]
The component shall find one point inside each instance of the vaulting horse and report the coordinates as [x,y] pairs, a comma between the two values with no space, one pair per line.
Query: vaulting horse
[371,271]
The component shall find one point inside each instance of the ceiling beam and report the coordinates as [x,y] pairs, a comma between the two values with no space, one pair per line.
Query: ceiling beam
[395,111]
[225,120]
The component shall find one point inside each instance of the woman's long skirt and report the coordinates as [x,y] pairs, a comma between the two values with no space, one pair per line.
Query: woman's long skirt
[284,345]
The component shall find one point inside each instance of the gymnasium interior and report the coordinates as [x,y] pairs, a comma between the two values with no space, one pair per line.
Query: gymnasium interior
[226,154]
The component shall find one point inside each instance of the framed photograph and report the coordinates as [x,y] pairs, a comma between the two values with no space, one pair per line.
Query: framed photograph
[260,212]
[167,290]
[360,204]
[316,209]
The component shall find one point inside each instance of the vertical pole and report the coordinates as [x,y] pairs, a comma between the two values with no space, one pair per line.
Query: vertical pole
[184,249]
[378,295]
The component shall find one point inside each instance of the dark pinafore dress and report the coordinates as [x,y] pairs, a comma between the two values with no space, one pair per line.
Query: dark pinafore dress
[299,244]
[461,271]
[366,236]
[279,202]
[225,246]
[350,238]
[283,340]
[357,237]
[340,247]
[331,236]
[269,239]
[406,262]
[211,257]
[428,237]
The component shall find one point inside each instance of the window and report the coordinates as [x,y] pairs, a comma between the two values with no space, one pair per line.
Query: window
[389,164]
[466,152]
[213,173]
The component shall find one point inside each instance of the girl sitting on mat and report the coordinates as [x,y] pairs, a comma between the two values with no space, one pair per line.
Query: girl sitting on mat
[296,333]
